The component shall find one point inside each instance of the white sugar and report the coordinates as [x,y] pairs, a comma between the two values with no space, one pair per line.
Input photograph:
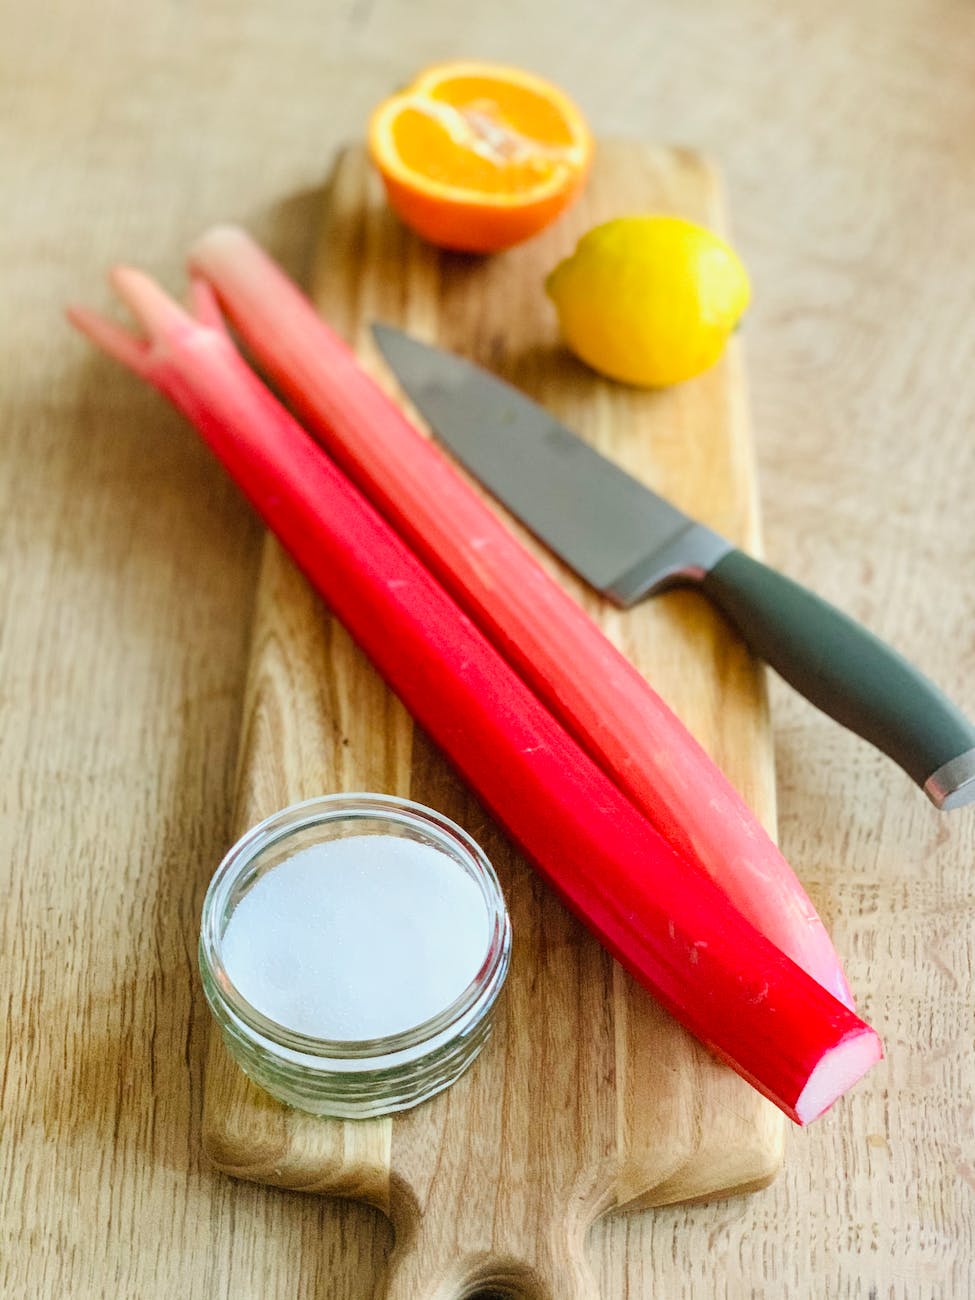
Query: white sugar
[360,937]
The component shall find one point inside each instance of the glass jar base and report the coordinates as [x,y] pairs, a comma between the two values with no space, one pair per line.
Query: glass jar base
[362,1105]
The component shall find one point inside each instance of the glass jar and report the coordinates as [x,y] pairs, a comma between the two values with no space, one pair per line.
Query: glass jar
[346,1078]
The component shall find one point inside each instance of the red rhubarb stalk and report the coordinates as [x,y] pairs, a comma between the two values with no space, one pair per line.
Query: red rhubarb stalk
[660,915]
[558,650]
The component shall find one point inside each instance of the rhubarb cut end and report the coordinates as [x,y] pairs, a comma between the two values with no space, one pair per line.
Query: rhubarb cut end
[217,242]
[837,1071]
[155,311]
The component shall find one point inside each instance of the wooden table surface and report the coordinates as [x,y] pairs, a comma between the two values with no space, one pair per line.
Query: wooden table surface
[128,568]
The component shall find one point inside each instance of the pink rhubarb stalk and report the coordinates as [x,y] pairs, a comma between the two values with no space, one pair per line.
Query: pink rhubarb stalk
[558,650]
[660,915]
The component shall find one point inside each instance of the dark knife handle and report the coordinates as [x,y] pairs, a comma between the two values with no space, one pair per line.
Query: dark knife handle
[850,674]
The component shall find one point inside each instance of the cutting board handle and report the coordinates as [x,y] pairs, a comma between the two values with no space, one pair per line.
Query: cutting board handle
[529,1261]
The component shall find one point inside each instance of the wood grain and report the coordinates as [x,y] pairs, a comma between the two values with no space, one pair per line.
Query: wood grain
[492,1183]
[128,569]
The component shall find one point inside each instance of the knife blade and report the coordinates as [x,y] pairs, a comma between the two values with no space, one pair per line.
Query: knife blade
[629,542]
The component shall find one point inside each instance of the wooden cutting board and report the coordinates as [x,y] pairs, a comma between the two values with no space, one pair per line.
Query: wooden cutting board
[589,1097]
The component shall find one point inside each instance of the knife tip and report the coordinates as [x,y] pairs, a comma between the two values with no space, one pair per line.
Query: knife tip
[383,333]
[390,341]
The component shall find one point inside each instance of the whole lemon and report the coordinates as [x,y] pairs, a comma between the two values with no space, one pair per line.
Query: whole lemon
[649,300]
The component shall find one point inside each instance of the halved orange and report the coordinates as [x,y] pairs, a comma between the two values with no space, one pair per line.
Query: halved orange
[477,156]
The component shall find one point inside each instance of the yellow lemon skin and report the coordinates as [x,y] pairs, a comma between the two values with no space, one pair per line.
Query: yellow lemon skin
[649,300]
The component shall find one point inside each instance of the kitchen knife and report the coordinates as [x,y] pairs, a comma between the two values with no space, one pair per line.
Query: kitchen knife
[628,542]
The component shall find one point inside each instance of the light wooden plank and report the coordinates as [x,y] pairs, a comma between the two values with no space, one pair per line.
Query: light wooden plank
[496,1181]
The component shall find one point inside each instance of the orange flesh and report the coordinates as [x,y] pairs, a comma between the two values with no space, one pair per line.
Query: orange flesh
[517,107]
[471,148]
